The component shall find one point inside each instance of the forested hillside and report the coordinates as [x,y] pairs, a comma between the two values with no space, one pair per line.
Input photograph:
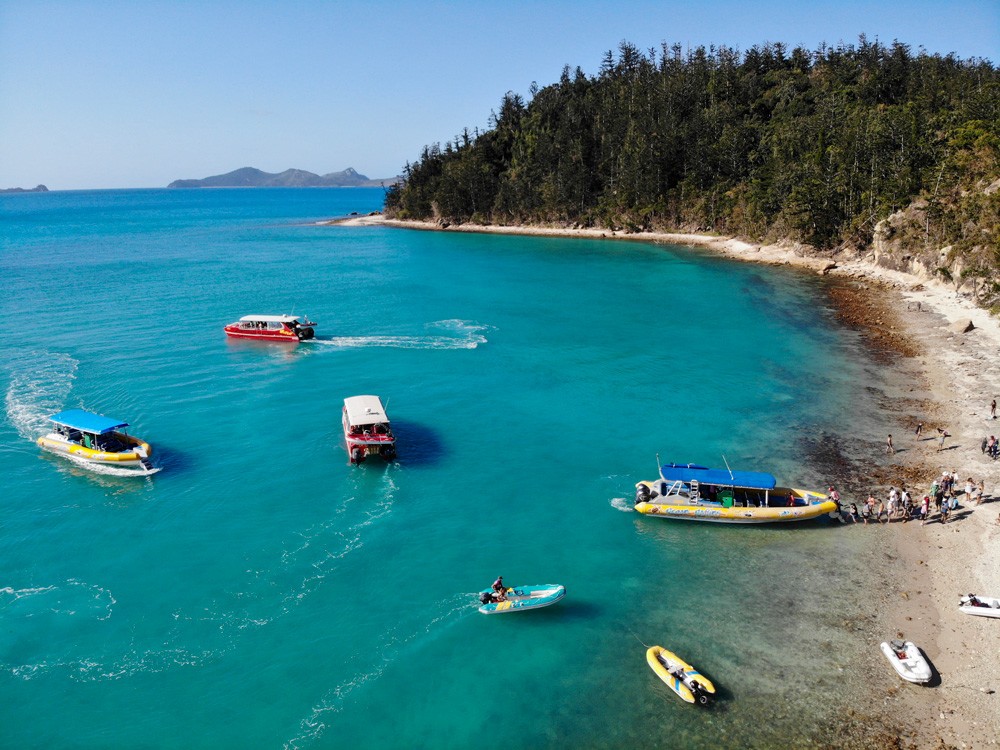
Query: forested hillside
[819,147]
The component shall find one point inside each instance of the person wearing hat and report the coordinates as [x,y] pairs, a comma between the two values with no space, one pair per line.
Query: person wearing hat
[925,509]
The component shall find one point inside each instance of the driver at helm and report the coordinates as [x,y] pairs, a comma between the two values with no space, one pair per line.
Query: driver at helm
[499,589]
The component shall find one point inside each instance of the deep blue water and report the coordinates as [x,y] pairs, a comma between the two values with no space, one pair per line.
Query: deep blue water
[260,592]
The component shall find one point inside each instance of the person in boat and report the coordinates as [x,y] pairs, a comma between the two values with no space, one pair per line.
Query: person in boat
[499,590]
[974,601]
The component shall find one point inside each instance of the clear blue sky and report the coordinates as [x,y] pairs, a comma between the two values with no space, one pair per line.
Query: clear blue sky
[102,93]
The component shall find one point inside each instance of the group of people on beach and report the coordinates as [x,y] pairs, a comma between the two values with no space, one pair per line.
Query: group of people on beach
[899,505]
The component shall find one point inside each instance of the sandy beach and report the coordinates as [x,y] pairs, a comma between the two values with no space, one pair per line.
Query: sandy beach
[946,376]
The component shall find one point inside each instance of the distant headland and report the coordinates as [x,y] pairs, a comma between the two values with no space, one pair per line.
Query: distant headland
[36,189]
[251,177]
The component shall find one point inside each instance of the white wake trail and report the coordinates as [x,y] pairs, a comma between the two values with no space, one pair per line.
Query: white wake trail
[40,383]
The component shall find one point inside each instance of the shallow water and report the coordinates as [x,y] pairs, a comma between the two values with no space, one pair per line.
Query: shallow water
[259,591]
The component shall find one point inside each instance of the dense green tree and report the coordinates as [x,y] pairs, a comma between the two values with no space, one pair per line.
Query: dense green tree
[815,146]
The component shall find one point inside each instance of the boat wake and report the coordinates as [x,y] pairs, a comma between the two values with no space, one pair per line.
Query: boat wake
[109,470]
[394,643]
[620,503]
[83,609]
[299,568]
[456,334]
[70,598]
[39,385]
[52,608]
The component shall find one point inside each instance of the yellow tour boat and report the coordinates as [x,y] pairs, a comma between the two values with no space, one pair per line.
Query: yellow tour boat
[697,493]
[95,439]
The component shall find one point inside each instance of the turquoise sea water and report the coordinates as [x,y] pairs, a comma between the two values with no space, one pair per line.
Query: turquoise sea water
[260,592]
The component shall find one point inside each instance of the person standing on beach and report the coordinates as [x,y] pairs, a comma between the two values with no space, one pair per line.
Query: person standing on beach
[980,489]
[984,445]
[920,429]
[835,496]
[888,445]
[942,434]
[906,504]
[868,509]
[882,511]
[944,513]
[993,409]
[891,507]
[853,513]
[925,509]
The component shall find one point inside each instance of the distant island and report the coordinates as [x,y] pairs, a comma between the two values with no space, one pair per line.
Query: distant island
[251,177]
[36,189]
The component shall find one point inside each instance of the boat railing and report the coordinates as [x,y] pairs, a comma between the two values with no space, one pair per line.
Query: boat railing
[677,489]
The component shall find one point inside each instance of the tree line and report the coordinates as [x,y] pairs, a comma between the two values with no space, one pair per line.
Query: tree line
[813,146]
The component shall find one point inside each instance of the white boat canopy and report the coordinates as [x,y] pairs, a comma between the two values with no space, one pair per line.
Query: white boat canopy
[362,410]
[269,318]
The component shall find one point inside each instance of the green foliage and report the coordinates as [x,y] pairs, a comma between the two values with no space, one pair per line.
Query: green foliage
[812,146]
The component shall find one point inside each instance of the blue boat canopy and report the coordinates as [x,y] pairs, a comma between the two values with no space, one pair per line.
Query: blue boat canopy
[87,421]
[755,480]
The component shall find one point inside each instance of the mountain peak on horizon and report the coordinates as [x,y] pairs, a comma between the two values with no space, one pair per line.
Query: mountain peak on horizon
[253,177]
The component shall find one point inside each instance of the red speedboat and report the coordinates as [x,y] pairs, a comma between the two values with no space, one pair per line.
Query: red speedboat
[271,328]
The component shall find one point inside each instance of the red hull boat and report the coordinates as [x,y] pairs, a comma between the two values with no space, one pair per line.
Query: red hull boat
[367,431]
[285,328]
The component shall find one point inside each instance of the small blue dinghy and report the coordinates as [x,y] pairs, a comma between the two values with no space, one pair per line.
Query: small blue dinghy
[520,598]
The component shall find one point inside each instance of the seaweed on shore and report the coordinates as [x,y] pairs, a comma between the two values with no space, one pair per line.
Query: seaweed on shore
[866,307]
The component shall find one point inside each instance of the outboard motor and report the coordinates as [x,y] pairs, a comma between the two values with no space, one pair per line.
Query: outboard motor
[641,494]
[699,693]
[486,597]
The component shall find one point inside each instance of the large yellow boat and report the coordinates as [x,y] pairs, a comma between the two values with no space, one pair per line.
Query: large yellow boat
[697,493]
[95,439]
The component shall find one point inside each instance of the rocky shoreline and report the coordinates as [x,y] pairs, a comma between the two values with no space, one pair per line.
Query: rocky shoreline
[941,354]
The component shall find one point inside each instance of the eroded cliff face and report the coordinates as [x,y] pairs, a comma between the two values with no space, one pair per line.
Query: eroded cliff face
[897,244]
[911,241]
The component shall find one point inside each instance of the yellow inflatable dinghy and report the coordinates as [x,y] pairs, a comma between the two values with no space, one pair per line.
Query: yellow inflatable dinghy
[679,676]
